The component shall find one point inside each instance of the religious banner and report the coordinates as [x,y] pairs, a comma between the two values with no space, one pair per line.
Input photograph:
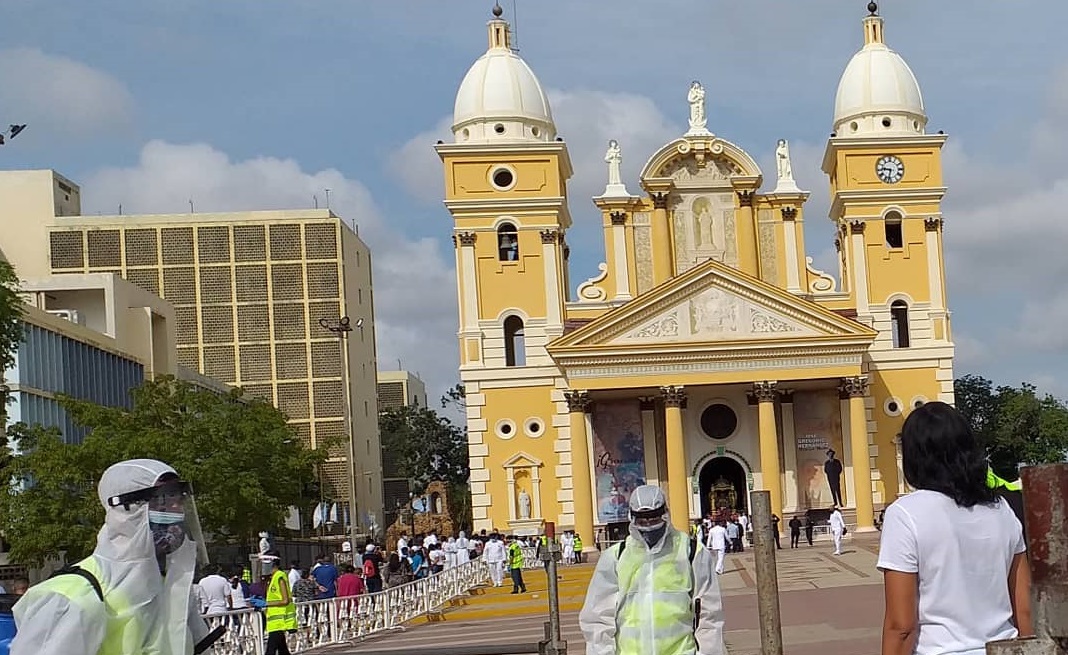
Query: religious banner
[818,428]
[618,457]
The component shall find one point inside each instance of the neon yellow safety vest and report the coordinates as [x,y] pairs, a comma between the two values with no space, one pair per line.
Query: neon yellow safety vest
[656,605]
[125,631]
[280,618]
[995,482]
[515,556]
[578,544]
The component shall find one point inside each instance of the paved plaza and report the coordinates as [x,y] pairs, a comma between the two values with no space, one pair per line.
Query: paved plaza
[829,604]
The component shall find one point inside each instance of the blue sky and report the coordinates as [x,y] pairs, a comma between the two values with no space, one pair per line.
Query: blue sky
[242,104]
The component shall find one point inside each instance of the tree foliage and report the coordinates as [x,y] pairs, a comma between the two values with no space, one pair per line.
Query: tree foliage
[10,317]
[1016,425]
[427,446]
[247,466]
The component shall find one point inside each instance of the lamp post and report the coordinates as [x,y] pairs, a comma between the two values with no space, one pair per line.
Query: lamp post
[341,328]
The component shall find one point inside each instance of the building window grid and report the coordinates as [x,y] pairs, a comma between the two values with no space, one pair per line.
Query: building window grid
[248,244]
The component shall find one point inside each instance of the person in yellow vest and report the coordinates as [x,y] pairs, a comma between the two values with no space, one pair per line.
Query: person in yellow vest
[654,593]
[279,607]
[578,548]
[133,595]
[514,559]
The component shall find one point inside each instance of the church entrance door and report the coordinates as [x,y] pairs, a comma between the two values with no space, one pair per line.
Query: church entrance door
[723,486]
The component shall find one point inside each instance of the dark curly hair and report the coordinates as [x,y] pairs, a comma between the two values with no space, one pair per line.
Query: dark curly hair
[940,453]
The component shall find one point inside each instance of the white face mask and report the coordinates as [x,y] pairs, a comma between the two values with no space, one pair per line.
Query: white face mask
[166,518]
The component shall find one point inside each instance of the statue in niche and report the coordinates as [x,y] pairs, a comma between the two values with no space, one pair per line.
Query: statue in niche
[614,158]
[524,504]
[782,160]
[704,224]
[696,98]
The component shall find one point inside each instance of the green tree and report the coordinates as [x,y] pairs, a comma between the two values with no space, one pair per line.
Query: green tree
[10,317]
[427,446]
[247,466]
[1016,425]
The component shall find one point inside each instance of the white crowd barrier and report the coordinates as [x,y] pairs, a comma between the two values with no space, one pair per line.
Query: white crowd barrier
[343,620]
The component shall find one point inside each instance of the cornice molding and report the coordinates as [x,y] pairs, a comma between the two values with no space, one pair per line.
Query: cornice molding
[882,196]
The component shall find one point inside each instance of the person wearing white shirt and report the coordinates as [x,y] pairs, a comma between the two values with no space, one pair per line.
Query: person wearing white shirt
[494,555]
[717,541]
[953,556]
[294,573]
[837,522]
[402,543]
[743,522]
[215,591]
[237,594]
[431,539]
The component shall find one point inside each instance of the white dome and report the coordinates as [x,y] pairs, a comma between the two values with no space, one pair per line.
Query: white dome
[878,94]
[500,99]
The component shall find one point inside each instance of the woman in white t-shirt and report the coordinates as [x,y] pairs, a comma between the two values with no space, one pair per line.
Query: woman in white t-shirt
[952,555]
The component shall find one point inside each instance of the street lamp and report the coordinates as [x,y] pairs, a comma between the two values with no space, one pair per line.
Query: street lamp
[341,328]
[11,132]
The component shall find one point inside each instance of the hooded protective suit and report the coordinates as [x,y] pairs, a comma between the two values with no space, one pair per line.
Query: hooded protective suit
[463,552]
[143,611]
[643,601]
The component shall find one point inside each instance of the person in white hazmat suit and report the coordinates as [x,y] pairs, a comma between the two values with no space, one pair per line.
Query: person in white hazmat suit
[133,595]
[655,593]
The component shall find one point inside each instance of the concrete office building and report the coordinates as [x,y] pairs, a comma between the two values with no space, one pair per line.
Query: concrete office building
[397,389]
[248,291]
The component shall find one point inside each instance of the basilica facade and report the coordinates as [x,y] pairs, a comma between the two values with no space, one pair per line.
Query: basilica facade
[708,356]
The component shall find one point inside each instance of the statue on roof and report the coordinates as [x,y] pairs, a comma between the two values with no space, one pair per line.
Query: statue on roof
[696,98]
[614,157]
[782,160]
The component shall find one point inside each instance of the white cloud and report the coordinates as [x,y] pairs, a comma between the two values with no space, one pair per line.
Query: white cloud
[414,286]
[59,95]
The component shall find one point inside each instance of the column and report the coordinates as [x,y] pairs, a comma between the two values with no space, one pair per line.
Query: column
[749,257]
[578,403]
[678,488]
[793,265]
[856,390]
[470,343]
[550,240]
[860,265]
[765,393]
[619,248]
[661,238]
[652,466]
[789,445]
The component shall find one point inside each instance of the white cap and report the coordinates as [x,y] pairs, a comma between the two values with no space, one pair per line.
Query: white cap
[647,498]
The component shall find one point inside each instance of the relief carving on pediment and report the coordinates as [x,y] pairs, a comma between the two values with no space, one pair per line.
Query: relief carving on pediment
[687,172]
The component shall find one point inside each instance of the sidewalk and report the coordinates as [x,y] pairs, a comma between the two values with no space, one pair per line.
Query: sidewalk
[828,604]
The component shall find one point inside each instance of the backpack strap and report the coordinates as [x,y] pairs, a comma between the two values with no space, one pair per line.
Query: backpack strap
[74,569]
[693,548]
[622,545]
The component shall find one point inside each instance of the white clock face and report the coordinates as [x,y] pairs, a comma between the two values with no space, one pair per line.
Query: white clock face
[890,169]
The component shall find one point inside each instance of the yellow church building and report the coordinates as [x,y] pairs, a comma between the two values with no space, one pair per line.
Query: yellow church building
[708,356]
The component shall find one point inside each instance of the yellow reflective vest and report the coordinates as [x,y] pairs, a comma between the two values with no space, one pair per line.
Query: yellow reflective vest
[656,613]
[280,618]
[515,556]
[126,633]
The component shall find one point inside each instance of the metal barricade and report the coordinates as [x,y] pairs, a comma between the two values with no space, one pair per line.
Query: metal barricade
[341,620]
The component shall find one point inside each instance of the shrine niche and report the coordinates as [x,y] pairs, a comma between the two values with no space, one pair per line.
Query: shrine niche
[435,517]
[523,476]
[724,496]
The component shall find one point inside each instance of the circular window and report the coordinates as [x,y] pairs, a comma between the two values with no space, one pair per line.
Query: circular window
[536,131]
[719,421]
[918,402]
[467,134]
[916,125]
[853,126]
[505,428]
[498,128]
[892,406]
[886,121]
[534,427]
[503,179]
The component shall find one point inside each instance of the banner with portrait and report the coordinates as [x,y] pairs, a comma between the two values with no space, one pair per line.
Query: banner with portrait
[817,429]
[618,457]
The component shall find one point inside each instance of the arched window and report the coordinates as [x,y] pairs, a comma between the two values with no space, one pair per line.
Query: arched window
[507,243]
[895,238]
[899,323]
[515,347]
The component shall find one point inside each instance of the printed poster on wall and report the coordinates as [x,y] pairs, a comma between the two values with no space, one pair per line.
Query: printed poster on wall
[818,427]
[618,457]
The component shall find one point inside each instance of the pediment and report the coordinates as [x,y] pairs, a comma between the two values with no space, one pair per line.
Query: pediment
[522,460]
[713,303]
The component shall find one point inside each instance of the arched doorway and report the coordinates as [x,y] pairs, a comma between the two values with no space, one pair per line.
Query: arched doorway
[723,485]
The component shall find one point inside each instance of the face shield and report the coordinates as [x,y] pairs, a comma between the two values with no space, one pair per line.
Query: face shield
[172,515]
[648,513]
